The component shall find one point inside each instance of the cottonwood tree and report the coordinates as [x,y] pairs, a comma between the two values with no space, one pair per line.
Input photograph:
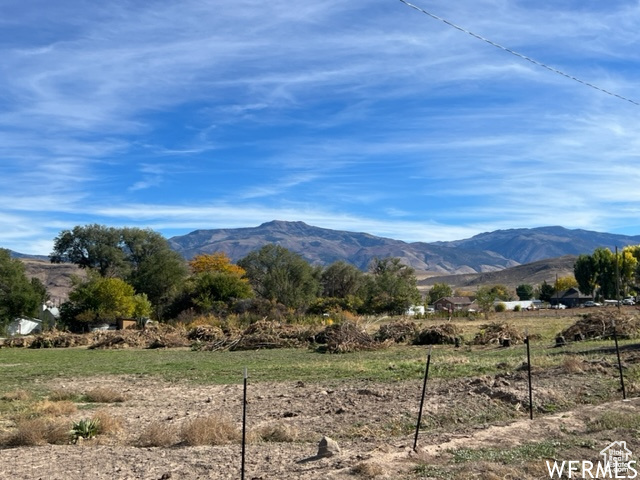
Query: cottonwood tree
[141,257]
[18,295]
[341,287]
[601,272]
[341,280]
[280,275]
[94,247]
[154,268]
[392,286]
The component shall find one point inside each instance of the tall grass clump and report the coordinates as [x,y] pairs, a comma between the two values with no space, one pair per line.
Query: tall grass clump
[104,395]
[210,430]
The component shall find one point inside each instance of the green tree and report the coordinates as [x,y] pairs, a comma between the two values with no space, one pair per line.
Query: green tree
[102,299]
[153,267]
[141,257]
[282,276]
[525,291]
[545,292]
[438,291]
[605,264]
[94,247]
[585,273]
[209,289]
[341,280]
[391,286]
[18,295]
[485,297]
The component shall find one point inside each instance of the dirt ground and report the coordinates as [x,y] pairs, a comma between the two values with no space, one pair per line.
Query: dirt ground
[373,424]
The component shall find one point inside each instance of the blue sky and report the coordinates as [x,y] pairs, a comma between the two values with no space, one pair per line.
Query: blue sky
[361,116]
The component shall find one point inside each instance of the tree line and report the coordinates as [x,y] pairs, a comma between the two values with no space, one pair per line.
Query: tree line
[133,272]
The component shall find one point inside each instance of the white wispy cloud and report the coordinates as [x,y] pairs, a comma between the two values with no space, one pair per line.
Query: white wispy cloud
[371,116]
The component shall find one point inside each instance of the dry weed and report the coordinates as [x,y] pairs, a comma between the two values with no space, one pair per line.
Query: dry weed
[59,395]
[107,423]
[572,364]
[104,395]
[17,396]
[367,470]
[157,434]
[210,430]
[277,433]
[55,409]
[37,431]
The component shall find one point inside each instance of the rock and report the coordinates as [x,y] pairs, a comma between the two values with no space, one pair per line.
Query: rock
[328,447]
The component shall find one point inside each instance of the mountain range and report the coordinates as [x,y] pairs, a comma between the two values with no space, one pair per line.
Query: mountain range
[509,257]
[486,252]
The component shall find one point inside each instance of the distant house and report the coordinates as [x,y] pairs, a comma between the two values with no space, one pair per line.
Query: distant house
[24,326]
[570,298]
[453,304]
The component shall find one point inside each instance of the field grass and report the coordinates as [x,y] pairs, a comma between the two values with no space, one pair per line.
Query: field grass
[28,369]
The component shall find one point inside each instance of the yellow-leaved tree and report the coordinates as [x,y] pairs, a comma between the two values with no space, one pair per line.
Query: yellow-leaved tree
[215,262]
[565,283]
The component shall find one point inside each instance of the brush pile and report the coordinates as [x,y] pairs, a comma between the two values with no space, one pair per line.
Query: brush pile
[269,334]
[346,337]
[496,333]
[398,332]
[600,325]
[444,334]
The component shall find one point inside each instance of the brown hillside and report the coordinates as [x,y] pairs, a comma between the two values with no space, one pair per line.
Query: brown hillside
[531,273]
[56,277]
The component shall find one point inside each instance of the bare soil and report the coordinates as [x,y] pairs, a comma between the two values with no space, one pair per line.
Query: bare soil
[373,424]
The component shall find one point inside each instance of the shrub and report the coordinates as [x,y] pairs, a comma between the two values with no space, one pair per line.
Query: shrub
[500,307]
[157,434]
[37,431]
[56,409]
[211,430]
[60,395]
[107,423]
[104,395]
[16,396]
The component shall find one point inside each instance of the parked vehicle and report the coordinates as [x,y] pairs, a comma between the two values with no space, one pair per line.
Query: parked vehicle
[629,301]
[559,306]
[590,303]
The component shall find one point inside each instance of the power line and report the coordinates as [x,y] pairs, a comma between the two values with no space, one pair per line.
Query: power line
[517,54]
